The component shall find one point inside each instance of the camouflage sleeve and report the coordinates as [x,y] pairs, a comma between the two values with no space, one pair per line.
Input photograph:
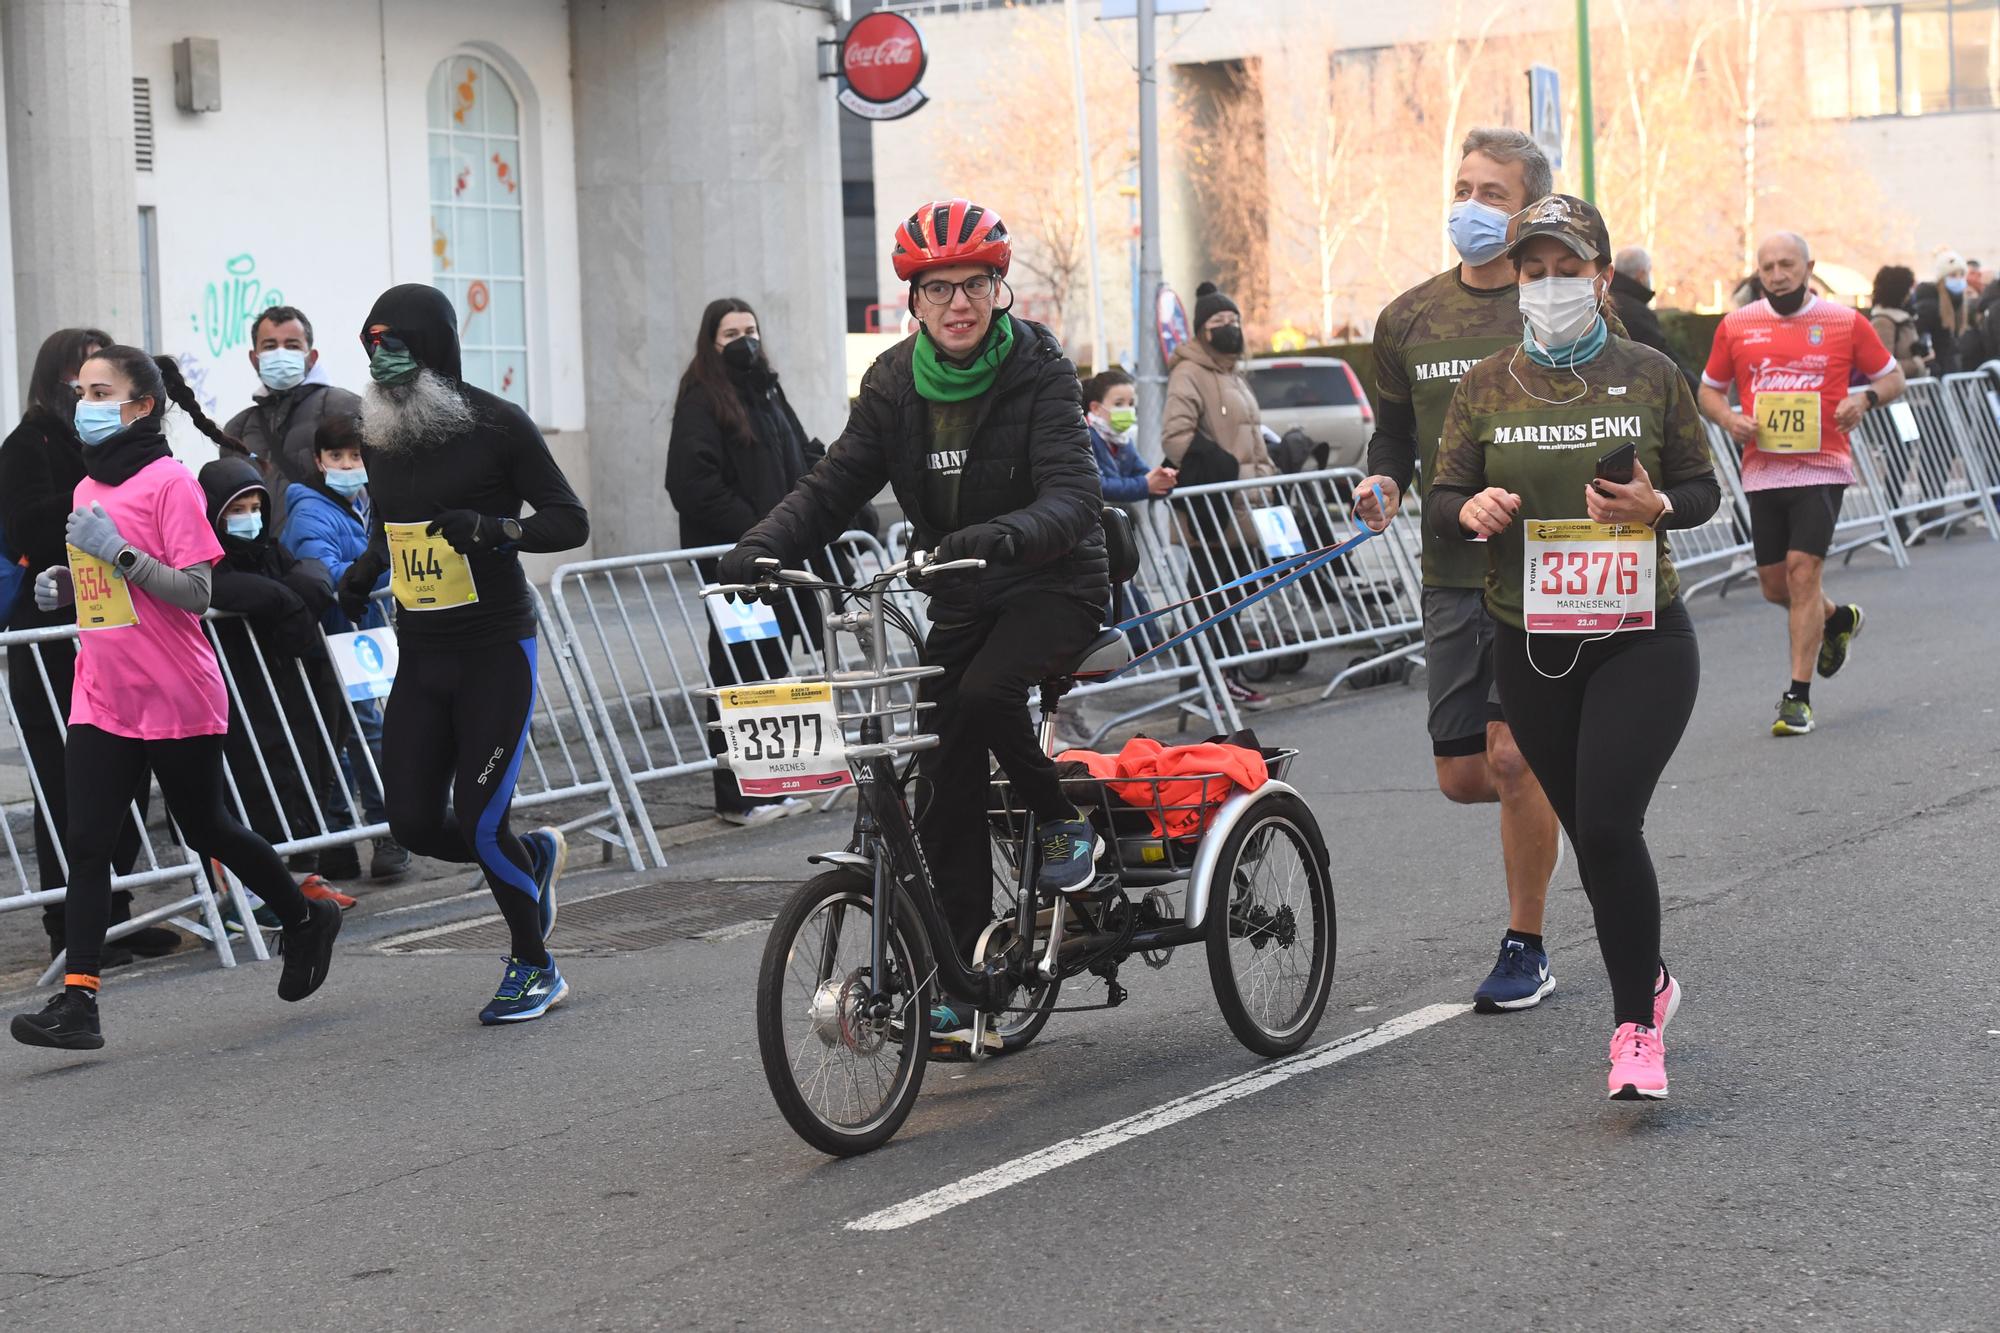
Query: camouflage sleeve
[1461,461]
[1392,377]
[1689,482]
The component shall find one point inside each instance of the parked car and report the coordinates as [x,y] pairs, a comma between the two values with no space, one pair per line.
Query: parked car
[1319,395]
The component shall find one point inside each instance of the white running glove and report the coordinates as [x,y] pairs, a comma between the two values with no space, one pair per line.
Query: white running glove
[52,588]
[92,530]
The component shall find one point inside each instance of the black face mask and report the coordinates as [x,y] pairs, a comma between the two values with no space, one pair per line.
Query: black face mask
[1791,302]
[1227,339]
[741,354]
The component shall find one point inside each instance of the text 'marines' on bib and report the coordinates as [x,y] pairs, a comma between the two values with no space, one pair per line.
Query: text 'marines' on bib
[103,600]
[1788,423]
[1581,577]
[425,573]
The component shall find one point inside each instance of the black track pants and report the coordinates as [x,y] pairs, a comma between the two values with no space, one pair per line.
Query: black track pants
[1598,740]
[990,666]
[102,771]
[453,738]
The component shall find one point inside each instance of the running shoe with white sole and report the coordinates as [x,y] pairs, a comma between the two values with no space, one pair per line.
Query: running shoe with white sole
[1638,1064]
[526,991]
[1666,1001]
[1833,647]
[1069,856]
[1519,980]
[548,851]
[1794,717]
[767,813]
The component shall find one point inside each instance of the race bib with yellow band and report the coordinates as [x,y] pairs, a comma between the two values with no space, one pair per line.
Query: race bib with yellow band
[1788,423]
[784,738]
[1582,577]
[424,572]
[103,600]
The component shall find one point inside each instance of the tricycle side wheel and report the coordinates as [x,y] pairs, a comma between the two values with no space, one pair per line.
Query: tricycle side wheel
[1271,932]
[844,1076]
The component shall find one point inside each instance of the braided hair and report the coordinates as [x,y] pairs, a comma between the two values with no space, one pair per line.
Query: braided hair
[159,378]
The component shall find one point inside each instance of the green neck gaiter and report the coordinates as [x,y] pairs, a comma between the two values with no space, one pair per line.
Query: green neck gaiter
[939,381]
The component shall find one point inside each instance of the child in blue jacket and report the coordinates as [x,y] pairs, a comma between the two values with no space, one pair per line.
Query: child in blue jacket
[327,520]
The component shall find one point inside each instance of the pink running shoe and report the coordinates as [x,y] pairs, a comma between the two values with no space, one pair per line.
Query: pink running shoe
[1638,1064]
[1666,1002]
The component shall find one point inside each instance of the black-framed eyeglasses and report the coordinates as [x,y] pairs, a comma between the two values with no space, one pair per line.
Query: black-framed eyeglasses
[979,287]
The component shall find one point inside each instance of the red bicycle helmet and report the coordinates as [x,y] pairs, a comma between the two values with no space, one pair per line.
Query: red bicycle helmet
[949,232]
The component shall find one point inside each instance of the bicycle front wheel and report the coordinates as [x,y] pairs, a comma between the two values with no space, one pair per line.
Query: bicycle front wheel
[1271,935]
[844,1067]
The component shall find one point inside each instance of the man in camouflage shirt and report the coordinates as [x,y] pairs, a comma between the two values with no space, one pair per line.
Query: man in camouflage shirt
[1425,341]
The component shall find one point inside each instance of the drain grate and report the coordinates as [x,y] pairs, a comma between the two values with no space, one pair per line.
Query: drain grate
[624,920]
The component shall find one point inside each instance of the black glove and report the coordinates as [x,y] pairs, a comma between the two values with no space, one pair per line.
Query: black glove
[982,541]
[358,583]
[739,564]
[467,532]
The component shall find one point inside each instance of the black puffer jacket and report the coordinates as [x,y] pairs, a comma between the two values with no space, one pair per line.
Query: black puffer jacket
[722,486]
[1030,469]
[40,464]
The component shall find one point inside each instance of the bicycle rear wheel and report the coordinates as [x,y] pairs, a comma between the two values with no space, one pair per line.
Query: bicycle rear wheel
[843,1075]
[1271,933]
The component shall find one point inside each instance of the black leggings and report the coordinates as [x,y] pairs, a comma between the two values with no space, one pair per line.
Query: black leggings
[990,666]
[1598,740]
[455,731]
[102,770]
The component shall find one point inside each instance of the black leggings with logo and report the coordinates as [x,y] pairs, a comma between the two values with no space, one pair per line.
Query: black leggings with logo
[1598,740]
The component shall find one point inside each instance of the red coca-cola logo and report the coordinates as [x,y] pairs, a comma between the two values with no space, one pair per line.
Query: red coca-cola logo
[882,57]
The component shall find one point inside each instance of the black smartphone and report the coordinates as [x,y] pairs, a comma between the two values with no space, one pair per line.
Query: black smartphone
[1617,465]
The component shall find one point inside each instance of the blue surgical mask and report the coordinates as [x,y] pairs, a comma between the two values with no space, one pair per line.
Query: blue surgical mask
[244,527]
[281,368]
[98,422]
[1956,286]
[346,481]
[1478,231]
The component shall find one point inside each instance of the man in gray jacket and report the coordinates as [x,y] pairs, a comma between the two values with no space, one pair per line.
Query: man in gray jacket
[294,396]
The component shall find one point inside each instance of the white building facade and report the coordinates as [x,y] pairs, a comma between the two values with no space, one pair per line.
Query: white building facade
[579,178]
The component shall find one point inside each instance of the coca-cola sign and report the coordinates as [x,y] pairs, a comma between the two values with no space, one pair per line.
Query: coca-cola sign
[882,61]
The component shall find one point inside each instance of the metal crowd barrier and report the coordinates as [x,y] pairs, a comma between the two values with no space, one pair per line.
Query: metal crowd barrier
[296,792]
[1725,539]
[1930,475]
[1976,395]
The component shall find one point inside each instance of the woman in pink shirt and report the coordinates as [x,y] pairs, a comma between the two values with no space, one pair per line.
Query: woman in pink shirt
[148,690]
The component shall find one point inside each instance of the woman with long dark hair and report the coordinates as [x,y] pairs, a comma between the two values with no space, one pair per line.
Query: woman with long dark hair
[148,690]
[40,464]
[736,450]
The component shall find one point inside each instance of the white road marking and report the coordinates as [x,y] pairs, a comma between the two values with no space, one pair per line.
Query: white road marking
[994,1179]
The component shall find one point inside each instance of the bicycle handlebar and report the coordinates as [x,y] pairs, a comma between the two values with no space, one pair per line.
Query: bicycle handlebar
[917,565]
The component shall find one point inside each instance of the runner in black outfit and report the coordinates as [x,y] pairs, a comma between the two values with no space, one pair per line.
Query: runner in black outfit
[449,468]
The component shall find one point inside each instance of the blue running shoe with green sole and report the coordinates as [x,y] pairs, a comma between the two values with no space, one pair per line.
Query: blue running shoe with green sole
[526,992]
[548,852]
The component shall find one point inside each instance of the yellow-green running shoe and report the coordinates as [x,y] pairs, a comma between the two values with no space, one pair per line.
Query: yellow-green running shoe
[1833,648]
[1794,717]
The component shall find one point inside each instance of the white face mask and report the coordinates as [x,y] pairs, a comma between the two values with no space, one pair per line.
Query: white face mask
[1559,310]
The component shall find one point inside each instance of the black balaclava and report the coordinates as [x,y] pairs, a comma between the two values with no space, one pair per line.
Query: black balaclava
[422,317]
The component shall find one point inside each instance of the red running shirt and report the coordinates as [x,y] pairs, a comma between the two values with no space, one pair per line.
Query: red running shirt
[1813,351]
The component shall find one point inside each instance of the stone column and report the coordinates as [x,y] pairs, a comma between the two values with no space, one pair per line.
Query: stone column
[68,70]
[708,164]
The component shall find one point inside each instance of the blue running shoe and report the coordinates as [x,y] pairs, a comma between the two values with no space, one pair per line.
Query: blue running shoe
[548,853]
[1069,856]
[525,992]
[1518,981]
[951,1033]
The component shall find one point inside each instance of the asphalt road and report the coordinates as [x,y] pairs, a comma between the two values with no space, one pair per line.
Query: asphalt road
[375,1160]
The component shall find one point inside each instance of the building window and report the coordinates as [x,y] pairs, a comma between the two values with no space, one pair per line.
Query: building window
[478,250]
[1910,59]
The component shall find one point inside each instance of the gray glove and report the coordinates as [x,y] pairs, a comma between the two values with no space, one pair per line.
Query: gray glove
[52,588]
[92,530]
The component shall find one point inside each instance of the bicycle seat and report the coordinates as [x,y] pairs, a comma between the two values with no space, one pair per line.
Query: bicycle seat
[1107,652]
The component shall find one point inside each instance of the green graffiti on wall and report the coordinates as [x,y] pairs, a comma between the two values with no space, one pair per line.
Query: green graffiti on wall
[230,303]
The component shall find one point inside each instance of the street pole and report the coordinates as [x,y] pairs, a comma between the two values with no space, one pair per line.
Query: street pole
[1152,377]
[1587,130]
[1098,360]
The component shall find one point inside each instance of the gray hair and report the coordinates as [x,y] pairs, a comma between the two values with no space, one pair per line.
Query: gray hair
[1513,146]
[1633,260]
[1793,239]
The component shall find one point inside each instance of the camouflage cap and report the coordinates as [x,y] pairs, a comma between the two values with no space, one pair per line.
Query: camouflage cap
[1570,220]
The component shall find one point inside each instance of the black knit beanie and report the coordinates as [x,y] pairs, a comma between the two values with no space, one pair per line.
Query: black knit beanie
[1208,302]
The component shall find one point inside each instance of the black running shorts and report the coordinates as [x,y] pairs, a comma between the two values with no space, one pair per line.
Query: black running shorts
[1793,518]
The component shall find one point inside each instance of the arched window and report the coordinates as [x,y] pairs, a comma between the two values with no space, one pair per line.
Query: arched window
[478,250]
